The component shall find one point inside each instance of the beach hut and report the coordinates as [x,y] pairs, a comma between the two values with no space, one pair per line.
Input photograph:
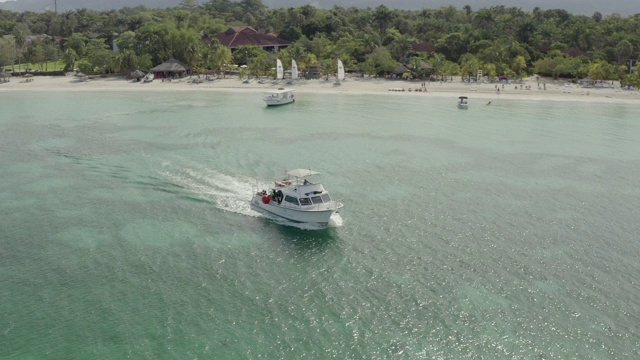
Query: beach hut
[138,75]
[171,68]
[82,77]
[400,70]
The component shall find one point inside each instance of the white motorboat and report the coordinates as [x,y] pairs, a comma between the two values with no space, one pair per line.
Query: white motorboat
[280,96]
[463,102]
[298,197]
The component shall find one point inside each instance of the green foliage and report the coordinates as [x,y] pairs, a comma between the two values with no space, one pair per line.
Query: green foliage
[469,65]
[6,51]
[258,61]
[499,39]
[380,62]
[69,57]
[76,42]
[85,66]
[127,41]
[632,79]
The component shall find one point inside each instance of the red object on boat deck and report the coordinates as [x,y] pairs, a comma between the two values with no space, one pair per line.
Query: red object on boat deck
[266,199]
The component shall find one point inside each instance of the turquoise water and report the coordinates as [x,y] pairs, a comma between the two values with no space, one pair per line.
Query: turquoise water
[507,231]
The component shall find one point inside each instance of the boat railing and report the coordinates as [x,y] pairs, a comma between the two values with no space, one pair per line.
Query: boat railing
[331,205]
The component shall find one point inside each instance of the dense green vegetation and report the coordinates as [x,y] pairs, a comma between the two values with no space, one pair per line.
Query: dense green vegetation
[499,40]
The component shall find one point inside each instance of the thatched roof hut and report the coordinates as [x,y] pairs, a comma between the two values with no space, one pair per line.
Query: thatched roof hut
[400,69]
[136,75]
[170,69]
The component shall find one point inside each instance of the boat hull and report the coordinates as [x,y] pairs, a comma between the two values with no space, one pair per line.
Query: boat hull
[278,102]
[304,216]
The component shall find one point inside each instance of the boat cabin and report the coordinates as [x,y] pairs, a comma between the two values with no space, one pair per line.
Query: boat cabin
[301,188]
[279,97]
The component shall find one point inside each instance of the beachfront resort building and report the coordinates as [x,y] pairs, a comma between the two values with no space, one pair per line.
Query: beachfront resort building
[238,36]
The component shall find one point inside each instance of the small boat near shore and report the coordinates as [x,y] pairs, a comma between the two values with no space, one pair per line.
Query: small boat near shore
[463,102]
[299,197]
[280,96]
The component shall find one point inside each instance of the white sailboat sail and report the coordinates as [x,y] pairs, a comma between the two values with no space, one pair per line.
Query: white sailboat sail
[340,74]
[340,70]
[294,70]
[280,71]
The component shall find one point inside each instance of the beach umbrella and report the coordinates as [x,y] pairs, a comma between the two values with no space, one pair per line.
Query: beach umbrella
[5,74]
[28,75]
[80,74]
[137,74]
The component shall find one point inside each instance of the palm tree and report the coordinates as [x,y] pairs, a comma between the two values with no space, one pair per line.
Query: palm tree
[222,57]
[19,41]
[127,60]
[383,17]
[469,65]
[70,57]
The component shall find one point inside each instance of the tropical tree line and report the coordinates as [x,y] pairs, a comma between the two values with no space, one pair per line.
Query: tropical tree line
[500,40]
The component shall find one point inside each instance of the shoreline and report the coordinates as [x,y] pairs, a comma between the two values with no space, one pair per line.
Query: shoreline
[555,90]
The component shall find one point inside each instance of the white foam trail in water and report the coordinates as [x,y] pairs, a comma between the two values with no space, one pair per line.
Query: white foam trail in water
[231,193]
[226,192]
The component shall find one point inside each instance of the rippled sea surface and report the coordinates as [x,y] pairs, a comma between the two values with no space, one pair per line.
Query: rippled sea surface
[508,231]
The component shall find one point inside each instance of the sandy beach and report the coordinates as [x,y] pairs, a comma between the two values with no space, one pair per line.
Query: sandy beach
[529,89]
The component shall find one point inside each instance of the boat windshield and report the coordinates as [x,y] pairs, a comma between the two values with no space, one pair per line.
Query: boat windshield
[291,199]
[326,198]
[316,199]
[305,201]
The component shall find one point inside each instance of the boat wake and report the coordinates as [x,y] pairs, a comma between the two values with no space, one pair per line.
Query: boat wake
[230,193]
[225,192]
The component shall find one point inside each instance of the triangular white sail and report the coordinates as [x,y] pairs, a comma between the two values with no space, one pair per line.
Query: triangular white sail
[294,70]
[280,71]
[340,70]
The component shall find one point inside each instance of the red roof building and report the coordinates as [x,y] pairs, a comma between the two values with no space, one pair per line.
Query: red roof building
[423,47]
[574,52]
[247,35]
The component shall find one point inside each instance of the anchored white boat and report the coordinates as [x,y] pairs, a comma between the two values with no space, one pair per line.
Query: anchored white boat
[463,102]
[280,96]
[299,197]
